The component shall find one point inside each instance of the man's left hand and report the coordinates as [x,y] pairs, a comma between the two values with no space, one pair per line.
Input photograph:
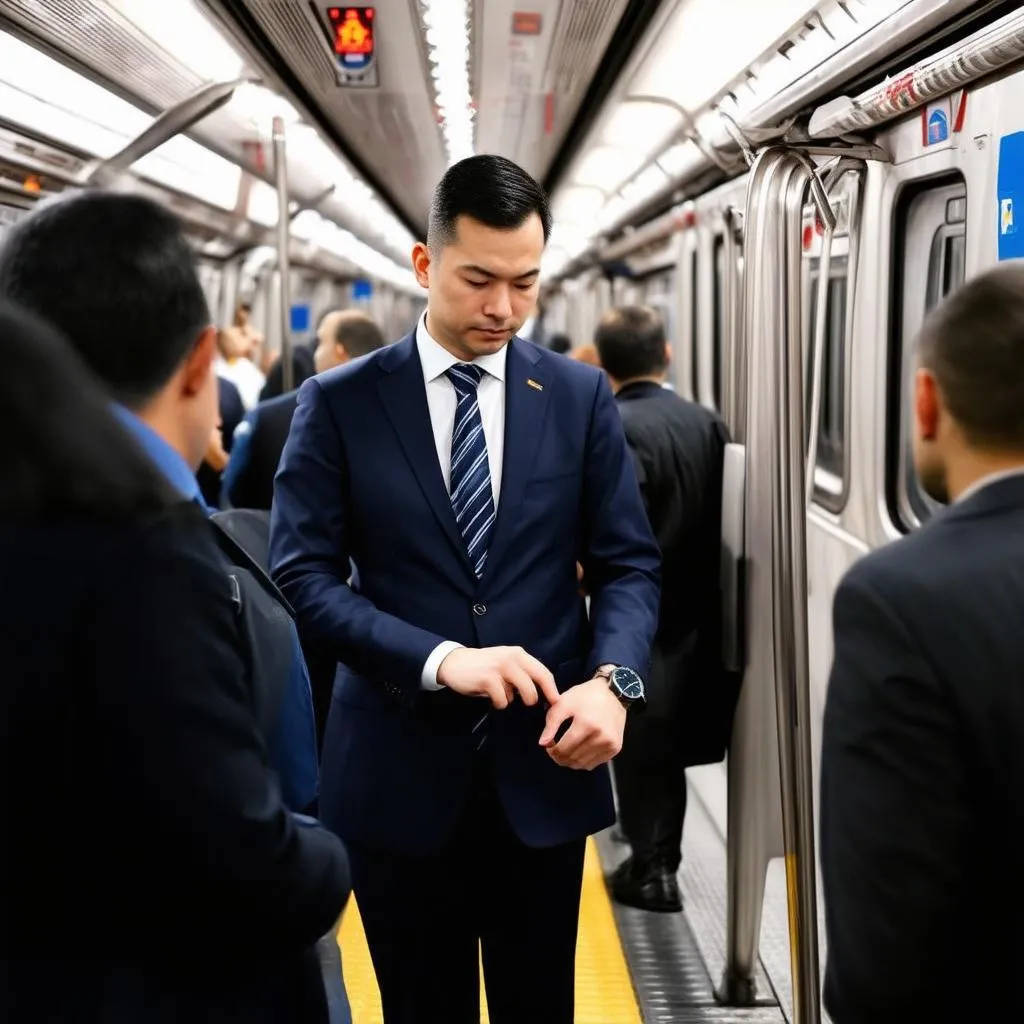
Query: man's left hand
[598,722]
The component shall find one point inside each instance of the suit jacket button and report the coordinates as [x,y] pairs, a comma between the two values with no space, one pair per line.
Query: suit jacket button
[479,609]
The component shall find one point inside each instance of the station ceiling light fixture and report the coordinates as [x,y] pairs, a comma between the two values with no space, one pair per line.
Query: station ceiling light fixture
[446,25]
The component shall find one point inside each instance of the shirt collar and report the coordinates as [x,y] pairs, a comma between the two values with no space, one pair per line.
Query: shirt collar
[985,481]
[437,360]
[166,459]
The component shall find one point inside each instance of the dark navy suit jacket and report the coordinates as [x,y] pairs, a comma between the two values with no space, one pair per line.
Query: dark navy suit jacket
[922,771]
[360,479]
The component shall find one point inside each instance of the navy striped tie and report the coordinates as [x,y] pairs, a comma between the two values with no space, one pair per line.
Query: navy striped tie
[470,484]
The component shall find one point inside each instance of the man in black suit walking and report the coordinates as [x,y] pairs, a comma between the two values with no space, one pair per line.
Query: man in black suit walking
[923,743]
[678,449]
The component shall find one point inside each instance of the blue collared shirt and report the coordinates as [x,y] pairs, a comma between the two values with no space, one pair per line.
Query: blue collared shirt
[292,748]
[166,458]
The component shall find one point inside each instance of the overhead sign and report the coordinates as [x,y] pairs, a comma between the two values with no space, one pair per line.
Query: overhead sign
[353,38]
[526,23]
[936,123]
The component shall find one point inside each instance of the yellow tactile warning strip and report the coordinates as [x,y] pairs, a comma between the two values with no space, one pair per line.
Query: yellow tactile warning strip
[604,991]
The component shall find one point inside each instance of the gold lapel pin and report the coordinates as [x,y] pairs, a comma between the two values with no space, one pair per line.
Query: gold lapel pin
[533,384]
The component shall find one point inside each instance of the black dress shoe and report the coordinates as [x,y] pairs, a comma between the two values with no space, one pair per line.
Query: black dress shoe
[646,887]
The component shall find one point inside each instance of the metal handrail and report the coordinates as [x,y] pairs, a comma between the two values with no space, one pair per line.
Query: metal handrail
[777,674]
[166,126]
[792,669]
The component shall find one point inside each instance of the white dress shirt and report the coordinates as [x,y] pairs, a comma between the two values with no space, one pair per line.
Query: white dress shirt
[441,403]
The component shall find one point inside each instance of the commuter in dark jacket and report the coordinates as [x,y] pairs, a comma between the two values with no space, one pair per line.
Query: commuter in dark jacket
[137,789]
[678,447]
[922,759]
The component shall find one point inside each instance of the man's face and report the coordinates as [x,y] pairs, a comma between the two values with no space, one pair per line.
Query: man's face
[328,352]
[482,285]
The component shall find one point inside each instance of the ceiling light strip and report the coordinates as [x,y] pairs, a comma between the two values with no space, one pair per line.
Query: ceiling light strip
[446,25]
[42,95]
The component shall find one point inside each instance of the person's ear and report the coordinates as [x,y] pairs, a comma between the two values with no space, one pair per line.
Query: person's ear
[421,262]
[927,405]
[199,361]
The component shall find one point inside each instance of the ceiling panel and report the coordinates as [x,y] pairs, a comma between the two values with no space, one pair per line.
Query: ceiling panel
[155,58]
[530,84]
[100,38]
[393,127]
[533,63]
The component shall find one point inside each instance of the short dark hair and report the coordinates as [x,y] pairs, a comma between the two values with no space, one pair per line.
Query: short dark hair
[974,345]
[491,190]
[115,274]
[560,343]
[630,342]
[357,333]
[62,451]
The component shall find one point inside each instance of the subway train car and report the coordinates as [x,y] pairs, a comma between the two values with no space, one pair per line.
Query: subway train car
[793,184]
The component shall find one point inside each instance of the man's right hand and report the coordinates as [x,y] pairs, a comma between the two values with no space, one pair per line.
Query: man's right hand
[498,673]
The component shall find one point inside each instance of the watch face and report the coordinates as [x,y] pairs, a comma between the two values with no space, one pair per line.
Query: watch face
[628,683]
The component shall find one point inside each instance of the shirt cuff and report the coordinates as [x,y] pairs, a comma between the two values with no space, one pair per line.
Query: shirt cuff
[433,663]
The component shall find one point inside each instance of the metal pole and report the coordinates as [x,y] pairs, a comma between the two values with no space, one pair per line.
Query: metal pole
[283,269]
[792,671]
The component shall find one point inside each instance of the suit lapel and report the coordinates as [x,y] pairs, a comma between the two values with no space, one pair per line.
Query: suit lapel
[526,407]
[404,396]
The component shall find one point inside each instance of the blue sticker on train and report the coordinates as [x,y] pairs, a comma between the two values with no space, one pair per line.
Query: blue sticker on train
[1010,190]
[938,126]
[300,319]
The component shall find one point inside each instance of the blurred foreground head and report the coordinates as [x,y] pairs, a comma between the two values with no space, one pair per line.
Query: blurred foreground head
[115,274]
[62,452]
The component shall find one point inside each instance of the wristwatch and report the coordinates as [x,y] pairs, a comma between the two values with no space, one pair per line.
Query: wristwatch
[626,685]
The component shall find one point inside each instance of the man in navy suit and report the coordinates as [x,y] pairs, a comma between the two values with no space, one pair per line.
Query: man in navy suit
[465,473]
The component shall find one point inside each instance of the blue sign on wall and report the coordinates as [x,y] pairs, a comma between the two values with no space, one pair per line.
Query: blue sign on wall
[362,289]
[300,319]
[1010,191]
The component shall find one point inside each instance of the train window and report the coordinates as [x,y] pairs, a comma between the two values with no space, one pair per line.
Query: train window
[934,223]
[694,328]
[830,462]
[719,318]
